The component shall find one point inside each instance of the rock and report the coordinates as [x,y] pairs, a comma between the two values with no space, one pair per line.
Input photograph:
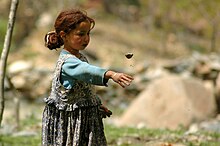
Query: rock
[7,129]
[177,66]
[33,82]
[202,69]
[19,81]
[45,19]
[211,126]
[169,102]
[19,66]
[193,128]
[25,133]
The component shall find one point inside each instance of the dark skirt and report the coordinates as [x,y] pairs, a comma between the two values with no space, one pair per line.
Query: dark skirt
[81,127]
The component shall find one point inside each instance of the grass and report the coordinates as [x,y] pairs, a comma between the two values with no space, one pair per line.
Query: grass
[135,137]
[20,141]
[123,136]
[29,134]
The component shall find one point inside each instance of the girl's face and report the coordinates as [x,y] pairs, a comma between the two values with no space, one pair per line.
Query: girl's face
[78,38]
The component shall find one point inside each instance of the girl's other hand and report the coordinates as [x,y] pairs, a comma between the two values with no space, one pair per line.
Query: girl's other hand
[105,112]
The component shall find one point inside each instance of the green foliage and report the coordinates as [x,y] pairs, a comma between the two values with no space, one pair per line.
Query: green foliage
[20,140]
[30,120]
[3,27]
[197,48]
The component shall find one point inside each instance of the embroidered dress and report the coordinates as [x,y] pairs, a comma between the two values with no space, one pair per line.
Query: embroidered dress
[71,116]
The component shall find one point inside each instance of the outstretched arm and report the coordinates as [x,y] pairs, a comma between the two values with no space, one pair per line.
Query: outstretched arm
[77,69]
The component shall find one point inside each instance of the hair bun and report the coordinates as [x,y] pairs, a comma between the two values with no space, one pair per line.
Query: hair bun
[52,40]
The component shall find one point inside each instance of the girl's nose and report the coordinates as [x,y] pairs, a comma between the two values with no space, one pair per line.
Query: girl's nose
[87,38]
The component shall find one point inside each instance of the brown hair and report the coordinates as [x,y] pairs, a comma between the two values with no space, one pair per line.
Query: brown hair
[66,21]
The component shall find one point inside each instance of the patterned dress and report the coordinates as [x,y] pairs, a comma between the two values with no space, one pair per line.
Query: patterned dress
[71,116]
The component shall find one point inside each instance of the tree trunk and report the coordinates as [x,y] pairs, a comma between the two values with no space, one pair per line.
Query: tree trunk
[5,51]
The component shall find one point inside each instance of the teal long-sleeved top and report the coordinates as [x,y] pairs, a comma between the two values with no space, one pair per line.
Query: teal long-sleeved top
[79,69]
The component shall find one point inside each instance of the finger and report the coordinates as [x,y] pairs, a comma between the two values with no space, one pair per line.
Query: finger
[121,84]
[127,83]
[126,80]
[127,77]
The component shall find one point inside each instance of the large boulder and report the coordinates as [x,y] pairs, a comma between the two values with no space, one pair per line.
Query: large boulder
[33,82]
[170,102]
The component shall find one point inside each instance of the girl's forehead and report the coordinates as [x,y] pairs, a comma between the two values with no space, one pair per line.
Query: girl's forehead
[85,25]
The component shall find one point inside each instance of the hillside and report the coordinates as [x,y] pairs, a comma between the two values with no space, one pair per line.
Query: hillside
[152,30]
[110,41]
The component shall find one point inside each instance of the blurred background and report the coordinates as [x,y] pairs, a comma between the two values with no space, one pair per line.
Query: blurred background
[175,63]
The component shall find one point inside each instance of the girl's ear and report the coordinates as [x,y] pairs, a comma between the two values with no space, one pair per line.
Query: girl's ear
[62,34]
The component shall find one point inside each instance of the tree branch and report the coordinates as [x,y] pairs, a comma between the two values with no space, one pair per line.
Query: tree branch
[5,52]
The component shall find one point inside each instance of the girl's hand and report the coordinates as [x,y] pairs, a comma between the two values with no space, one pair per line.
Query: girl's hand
[122,79]
[105,112]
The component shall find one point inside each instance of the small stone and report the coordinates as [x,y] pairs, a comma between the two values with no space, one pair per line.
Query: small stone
[129,55]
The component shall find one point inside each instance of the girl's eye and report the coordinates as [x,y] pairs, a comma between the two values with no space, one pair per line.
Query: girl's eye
[81,34]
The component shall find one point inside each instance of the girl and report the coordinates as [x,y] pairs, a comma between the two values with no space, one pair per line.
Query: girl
[73,112]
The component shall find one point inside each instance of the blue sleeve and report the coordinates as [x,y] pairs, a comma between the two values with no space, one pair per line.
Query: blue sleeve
[73,68]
